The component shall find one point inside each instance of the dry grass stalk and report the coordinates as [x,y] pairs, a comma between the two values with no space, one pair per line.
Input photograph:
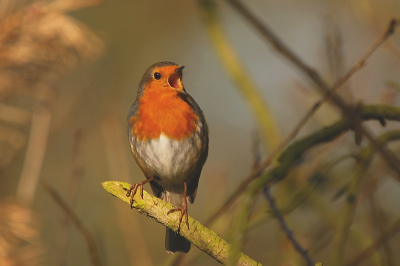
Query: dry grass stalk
[38,45]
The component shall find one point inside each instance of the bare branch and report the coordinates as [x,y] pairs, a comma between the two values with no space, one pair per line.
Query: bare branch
[285,227]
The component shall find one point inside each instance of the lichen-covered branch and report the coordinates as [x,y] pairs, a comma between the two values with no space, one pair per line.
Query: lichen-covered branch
[157,209]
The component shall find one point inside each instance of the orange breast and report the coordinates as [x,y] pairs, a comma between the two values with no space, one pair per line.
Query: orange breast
[163,111]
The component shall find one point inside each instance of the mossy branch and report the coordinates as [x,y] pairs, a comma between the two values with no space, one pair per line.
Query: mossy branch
[157,209]
[295,152]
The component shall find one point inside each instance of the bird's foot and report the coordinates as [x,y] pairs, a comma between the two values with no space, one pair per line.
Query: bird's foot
[132,190]
[184,212]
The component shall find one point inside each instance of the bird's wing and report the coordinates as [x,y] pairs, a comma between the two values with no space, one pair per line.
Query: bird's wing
[192,185]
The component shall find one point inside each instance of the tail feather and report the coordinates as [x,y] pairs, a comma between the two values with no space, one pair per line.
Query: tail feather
[174,242]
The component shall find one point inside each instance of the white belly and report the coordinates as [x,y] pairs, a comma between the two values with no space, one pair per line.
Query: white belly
[173,161]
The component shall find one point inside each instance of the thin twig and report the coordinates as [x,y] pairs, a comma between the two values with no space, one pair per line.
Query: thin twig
[334,50]
[329,214]
[91,244]
[393,85]
[239,225]
[285,227]
[385,237]
[349,111]
[77,173]
[345,220]
[360,63]
[243,213]
[256,148]
[317,177]
[379,221]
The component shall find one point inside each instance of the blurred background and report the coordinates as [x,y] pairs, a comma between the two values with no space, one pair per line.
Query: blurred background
[69,72]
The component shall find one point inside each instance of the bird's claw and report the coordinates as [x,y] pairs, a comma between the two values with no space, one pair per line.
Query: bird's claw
[132,192]
[184,212]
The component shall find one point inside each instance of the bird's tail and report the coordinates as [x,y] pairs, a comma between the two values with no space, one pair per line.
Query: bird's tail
[174,242]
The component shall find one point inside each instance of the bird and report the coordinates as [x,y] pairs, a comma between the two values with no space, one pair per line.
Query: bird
[168,137]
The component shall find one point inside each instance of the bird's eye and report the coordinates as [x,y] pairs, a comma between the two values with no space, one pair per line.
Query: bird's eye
[157,75]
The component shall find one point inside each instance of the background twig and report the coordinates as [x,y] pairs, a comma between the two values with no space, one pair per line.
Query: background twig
[91,244]
[389,233]
[77,174]
[347,214]
[285,227]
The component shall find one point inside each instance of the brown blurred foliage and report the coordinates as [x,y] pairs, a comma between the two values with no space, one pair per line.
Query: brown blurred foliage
[20,240]
[38,45]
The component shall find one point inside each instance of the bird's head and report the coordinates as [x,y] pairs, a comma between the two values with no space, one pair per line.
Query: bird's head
[163,75]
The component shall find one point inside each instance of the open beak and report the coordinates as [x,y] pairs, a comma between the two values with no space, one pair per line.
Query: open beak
[175,79]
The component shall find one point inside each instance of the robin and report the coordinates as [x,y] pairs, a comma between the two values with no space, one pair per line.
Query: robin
[168,136]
